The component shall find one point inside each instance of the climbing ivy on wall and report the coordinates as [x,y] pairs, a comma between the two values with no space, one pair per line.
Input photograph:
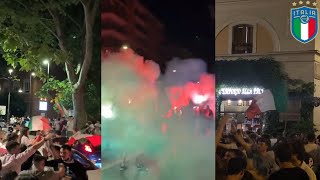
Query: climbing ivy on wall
[269,74]
[264,72]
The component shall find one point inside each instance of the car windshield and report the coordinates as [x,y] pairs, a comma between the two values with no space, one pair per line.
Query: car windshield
[85,162]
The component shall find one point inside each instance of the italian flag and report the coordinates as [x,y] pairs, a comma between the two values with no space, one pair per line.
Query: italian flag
[61,108]
[261,103]
[304,31]
[39,123]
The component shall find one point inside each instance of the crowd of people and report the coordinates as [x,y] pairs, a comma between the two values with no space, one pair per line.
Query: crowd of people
[44,156]
[65,125]
[250,156]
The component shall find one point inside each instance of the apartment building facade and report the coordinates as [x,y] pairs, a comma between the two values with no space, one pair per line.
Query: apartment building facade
[129,23]
[251,29]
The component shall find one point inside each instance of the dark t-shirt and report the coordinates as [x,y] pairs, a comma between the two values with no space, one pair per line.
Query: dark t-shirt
[28,163]
[77,170]
[289,173]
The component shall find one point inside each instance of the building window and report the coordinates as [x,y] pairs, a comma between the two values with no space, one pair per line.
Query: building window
[242,39]
[229,102]
[26,86]
[240,103]
[15,87]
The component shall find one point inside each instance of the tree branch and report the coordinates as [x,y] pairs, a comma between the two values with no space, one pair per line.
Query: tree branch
[42,23]
[69,68]
[85,2]
[74,21]
[88,45]
[94,10]
[60,36]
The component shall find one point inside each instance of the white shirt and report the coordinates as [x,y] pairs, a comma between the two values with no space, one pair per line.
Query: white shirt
[13,162]
[57,125]
[70,125]
[3,145]
[26,141]
[273,141]
[12,120]
[97,125]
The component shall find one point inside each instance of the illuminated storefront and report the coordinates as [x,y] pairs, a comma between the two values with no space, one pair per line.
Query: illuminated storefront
[235,101]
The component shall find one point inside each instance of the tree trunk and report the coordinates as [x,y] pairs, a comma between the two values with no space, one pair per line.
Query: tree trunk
[80,114]
[90,9]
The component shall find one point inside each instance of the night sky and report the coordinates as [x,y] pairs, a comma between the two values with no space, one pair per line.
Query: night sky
[188,24]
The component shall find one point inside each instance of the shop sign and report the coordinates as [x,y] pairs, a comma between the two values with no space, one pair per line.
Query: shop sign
[240,91]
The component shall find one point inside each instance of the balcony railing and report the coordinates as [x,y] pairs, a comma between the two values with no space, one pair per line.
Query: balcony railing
[241,48]
[276,55]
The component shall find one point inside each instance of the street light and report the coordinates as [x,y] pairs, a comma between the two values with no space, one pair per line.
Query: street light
[9,94]
[46,62]
[10,71]
[125,47]
[31,95]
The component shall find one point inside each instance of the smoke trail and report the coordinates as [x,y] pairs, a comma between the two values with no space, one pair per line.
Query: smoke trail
[173,148]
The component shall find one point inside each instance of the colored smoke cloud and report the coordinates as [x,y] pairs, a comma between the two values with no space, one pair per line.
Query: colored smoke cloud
[132,122]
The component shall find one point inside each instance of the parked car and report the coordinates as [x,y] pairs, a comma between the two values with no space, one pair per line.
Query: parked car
[89,148]
[93,170]
[3,123]
[89,145]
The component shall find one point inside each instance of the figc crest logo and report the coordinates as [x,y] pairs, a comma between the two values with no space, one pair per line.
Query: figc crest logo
[304,21]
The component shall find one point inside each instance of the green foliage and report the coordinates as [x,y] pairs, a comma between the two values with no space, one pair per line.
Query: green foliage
[34,30]
[264,72]
[272,123]
[305,92]
[26,34]
[269,74]
[303,126]
[93,102]
[63,91]
[54,88]
[274,126]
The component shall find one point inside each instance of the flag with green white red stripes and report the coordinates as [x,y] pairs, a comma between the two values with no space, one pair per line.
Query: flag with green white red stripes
[304,23]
